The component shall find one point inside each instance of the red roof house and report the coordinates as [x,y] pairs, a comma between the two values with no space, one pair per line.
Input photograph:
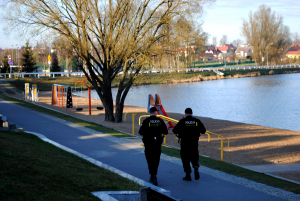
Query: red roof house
[294,51]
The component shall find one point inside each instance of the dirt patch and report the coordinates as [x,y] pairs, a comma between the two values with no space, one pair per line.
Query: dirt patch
[216,77]
[249,144]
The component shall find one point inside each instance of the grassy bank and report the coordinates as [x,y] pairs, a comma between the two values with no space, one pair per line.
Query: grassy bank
[45,84]
[214,164]
[262,71]
[32,169]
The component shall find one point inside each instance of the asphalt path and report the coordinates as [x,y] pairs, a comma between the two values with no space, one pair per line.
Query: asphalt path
[129,160]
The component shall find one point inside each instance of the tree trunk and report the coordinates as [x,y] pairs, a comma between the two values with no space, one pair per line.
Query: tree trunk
[109,114]
[120,99]
[108,103]
[119,112]
[106,97]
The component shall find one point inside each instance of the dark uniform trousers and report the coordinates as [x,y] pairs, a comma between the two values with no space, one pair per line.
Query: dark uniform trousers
[189,154]
[152,130]
[152,153]
[189,130]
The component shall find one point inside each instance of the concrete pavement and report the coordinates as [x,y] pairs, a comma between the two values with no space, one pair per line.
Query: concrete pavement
[127,155]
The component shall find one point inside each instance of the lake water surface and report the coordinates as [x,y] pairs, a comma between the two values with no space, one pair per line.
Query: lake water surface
[272,101]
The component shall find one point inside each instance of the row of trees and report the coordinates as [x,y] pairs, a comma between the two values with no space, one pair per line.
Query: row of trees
[116,36]
[224,40]
[27,60]
[126,35]
[265,32]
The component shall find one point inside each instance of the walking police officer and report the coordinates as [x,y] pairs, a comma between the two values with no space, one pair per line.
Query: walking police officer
[152,130]
[188,130]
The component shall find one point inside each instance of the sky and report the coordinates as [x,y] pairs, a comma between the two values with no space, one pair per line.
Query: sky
[224,17]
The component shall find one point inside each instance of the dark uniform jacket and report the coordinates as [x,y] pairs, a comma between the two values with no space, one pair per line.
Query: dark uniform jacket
[189,128]
[152,130]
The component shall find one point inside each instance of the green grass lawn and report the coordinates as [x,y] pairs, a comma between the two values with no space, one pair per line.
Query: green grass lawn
[32,169]
[214,164]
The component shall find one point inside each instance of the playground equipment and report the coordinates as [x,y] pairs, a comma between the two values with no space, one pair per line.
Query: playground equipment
[89,90]
[78,108]
[34,93]
[133,115]
[161,111]
[26,93]
[30,94]
[61,93]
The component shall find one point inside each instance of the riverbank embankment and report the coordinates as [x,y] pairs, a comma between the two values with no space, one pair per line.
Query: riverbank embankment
[45,84]
[249,144]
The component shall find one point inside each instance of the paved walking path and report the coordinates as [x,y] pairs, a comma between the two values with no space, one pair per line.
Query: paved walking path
[127,155]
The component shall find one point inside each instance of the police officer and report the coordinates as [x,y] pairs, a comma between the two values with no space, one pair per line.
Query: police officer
[152,131]
[188,130]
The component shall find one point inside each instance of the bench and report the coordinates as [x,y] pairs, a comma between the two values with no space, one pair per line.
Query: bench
[5,125]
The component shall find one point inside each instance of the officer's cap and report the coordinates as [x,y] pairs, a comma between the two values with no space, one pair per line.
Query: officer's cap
[153,109]
[188,111]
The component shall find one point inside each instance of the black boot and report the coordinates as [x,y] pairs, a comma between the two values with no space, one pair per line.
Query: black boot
[154,182]
[152,178]
[196,173]
[187,177]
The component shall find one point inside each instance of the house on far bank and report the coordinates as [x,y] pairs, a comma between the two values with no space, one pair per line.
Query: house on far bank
[229,59]
[223,56]
[293,51]
[227,48]
[206,57]
[243,52]
[212,50]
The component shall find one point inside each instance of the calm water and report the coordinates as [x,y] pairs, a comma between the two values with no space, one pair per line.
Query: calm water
[272,101]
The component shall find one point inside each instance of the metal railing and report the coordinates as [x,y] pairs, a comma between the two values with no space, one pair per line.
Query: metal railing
[133,115]
[207,132]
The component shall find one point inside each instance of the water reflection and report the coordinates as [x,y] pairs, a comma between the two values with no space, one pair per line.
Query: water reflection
[271,101]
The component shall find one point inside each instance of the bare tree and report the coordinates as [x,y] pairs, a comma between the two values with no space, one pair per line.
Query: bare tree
[190,37]
[236,43]
[121,33]
[64,51]
[264,31]
[295,38]
[2,54]
[42,49]
[224,40]
[281,45]
[214,41]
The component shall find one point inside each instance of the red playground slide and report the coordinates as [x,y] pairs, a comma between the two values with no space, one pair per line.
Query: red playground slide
[161,110]
[157,104]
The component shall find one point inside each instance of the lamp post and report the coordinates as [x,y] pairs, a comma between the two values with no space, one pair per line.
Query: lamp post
[267,53]
[12,55]
[17,61]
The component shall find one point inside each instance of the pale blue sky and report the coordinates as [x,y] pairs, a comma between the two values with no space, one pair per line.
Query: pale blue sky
[225,17]
[221,18]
